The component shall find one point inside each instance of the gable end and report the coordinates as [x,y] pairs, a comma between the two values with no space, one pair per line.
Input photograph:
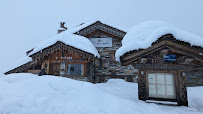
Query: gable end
[103,27]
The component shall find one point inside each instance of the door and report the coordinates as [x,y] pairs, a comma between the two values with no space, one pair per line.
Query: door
[161,85]
[54,69]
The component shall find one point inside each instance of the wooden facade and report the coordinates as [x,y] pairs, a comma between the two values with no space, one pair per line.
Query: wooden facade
[107,67]
[56,62]
[160,78]
[55,59]
[151,67]
[51,60]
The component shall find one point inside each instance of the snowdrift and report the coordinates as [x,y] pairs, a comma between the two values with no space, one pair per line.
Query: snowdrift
[32,94]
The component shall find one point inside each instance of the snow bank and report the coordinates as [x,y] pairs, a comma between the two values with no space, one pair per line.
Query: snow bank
[76,41]
[32,94]
[195,97]
[25,93]
[116,81]
[144,34]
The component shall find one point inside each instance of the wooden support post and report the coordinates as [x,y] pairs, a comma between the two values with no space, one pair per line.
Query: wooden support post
[182,99]
[141,85]
[48,62]
[93,74]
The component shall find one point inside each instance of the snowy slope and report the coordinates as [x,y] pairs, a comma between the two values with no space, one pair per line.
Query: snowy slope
[141,36]
[31,94]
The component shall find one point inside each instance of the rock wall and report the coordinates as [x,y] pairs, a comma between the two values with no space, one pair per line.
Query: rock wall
[109,67]
[195,79]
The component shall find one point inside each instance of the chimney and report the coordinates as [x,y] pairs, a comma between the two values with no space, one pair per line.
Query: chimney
[62,27]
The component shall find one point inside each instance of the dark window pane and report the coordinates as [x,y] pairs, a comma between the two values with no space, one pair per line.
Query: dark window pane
[75,69]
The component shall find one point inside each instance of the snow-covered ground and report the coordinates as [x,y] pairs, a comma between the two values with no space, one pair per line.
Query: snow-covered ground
[31,94]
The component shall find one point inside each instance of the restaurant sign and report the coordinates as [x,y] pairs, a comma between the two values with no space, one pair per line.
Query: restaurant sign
[101,42]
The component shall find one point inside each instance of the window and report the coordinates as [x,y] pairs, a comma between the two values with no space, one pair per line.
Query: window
[75,69]
[161,85]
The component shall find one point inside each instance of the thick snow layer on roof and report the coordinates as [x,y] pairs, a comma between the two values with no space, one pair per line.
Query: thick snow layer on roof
[76,41]
[19,63]
[73,40]
[144,34]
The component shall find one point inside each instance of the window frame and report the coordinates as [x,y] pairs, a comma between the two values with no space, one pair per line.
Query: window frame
[82,73]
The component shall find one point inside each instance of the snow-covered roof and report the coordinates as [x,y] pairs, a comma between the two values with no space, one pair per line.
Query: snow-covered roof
[73,40]
[19,63]
[68,37]
[82,26]
[144,34]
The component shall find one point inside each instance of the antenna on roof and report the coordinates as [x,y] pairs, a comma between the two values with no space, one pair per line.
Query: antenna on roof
[62,26]
[80,24]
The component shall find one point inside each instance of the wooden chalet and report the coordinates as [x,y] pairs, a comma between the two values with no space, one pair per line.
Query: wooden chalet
[65,60]
[61,60]
[163,68]
[88,53]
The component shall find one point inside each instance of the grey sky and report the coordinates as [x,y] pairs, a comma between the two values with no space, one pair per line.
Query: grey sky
[25,23]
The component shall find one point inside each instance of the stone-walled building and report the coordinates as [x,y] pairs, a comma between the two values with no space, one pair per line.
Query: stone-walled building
[106,39]
[94,59]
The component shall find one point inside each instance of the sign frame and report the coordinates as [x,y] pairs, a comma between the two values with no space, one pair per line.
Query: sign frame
[102,42]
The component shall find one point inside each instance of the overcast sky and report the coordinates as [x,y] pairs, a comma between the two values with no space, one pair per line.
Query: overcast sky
[25,23]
